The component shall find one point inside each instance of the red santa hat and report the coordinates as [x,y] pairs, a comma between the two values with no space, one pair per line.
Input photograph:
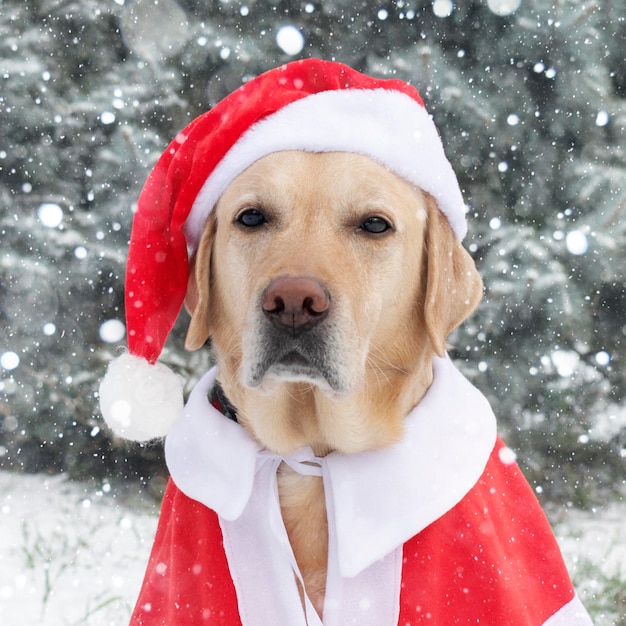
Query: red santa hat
[311,105]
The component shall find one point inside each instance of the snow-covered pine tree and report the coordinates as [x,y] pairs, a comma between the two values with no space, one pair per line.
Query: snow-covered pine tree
[534,104]
[80,127]
[529,97]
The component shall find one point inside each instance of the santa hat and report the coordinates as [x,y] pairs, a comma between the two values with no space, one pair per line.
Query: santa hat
[311,105]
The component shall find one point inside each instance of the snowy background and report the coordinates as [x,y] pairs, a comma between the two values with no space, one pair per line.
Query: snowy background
[529,96]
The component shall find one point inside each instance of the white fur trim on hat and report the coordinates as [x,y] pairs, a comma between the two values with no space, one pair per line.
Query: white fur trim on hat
[138,400]
[388,126]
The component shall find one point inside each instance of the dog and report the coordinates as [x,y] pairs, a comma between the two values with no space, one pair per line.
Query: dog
[325,313]
[334,467]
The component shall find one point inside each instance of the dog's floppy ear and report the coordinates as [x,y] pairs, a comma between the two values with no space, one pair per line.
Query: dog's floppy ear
[453,285]
[197,298]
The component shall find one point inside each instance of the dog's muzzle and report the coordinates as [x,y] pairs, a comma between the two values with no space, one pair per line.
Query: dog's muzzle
[296,339]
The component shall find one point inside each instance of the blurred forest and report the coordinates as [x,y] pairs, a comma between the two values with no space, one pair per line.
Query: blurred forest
[529,96]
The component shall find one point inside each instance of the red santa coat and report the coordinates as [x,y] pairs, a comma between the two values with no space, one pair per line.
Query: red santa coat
[489,559]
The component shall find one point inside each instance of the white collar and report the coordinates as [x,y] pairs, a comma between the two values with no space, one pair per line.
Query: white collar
[376,500]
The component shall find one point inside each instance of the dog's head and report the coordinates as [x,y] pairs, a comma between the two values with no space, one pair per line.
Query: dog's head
[313,201]
[325,276]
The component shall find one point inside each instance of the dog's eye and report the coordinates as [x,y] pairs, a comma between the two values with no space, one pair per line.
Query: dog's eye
[251,218]
[375,225]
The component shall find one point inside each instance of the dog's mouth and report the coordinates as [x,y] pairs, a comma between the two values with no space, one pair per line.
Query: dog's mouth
[294,360]
[307,358]
[294,365]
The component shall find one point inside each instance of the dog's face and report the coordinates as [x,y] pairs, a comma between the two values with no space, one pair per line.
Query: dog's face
[326,271]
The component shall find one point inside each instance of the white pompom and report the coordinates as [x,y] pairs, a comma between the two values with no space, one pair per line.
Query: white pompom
[138,400]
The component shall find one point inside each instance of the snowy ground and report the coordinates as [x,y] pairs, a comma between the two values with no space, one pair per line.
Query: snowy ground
[72,556]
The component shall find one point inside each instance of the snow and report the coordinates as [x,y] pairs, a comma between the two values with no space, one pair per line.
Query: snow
[594,549]
[9,360]
[577,242]
[50,214]
[107,117]
[443,8]
[75,555]
[504,7]
[112,331]
[603,118]
[513,119]
[603,358]
[155,30]
[593,537]
[70,555]
[290,40]
[565,362]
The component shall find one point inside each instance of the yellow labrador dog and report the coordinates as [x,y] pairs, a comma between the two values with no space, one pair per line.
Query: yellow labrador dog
[327,284]
[334,468]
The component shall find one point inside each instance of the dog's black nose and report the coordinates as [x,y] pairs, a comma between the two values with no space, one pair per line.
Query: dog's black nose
[295,303]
